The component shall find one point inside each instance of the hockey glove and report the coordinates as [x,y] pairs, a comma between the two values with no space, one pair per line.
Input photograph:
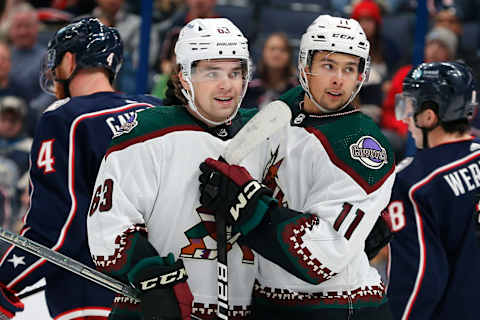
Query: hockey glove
[124,308]
[9,303]
[165,292]
[380,235]
[231,190]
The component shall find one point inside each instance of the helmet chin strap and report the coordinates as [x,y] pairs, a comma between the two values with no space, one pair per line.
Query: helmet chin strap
[193,107]
[425,131]
[66,82]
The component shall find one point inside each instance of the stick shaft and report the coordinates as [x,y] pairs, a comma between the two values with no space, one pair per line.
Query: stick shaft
[68,263]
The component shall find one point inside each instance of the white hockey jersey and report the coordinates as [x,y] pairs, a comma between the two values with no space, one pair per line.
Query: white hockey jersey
[149,177]
[340,169]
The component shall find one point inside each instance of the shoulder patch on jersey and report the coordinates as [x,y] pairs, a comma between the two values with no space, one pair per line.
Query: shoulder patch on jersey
[369,152]
[153,123]
[127,126]
[57,104]
[355,144]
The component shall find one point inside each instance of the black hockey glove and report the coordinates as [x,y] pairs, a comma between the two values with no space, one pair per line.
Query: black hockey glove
[231,190]
[380,235]
[165,292]
[9,303]
[124,308]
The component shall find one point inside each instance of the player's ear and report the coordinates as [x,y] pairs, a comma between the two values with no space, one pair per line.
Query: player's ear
[431,117]
[70,62]
[427,118]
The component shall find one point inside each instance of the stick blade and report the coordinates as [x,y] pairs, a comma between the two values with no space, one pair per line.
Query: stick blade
[264,124]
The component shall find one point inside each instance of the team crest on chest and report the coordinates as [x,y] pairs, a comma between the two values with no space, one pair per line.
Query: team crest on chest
[369,152]
[202,240]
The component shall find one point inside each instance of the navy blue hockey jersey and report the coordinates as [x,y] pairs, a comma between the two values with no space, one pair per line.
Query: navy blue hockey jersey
[68,147]
[434,254]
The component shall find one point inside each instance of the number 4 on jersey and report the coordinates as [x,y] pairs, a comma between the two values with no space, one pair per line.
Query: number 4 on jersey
[45,159]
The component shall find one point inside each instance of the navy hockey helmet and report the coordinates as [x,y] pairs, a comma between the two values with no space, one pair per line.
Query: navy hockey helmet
[93,43]
[449,85]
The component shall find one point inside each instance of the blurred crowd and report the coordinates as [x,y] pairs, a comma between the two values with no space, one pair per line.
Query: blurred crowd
[272,28]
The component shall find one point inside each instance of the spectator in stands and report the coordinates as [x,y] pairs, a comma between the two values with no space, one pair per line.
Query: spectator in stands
[27,55]
[196,9]
[14,156]
[275,73]
[452,16]
[73,7]
[8,86]
[167,63]
[162,9]
[384,54]
[440,45]
[193,9]
[113,13]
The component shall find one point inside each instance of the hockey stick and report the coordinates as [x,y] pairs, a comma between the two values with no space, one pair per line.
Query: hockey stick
[68,263]
[30,292]
[264,124]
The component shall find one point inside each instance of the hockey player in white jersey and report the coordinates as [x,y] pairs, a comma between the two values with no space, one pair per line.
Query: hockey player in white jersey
[336,169]
[146,205]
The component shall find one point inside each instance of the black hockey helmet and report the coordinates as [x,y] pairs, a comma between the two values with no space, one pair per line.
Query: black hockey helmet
[93,43]
[449,85]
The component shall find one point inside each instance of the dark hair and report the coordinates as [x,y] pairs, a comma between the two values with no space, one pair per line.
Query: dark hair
[168,46]
[174,95]
[288,70]
[460,126]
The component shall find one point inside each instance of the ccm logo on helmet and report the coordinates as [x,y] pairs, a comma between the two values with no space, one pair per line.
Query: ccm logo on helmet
[164,279]
[248,192]
[342,36]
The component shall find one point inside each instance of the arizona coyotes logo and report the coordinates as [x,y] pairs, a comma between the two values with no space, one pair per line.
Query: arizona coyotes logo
[201,235]
[270,178]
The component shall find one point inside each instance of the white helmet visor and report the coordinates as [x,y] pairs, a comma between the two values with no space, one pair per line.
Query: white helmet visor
[329,67]
[47,73]
[214,70]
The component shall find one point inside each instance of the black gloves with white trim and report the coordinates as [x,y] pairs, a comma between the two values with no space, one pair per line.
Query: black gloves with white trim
[231,190]
[165,294]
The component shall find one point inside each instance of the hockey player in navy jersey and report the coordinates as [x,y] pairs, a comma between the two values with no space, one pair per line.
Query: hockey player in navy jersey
[435,256]
[74,132]
[332,172]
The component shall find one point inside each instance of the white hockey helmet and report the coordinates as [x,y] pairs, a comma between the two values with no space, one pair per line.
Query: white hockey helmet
[210,38]
[334,34]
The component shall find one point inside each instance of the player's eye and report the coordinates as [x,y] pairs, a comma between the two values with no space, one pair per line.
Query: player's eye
[327,66]
[212,75]
[350,69]
[235,75]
